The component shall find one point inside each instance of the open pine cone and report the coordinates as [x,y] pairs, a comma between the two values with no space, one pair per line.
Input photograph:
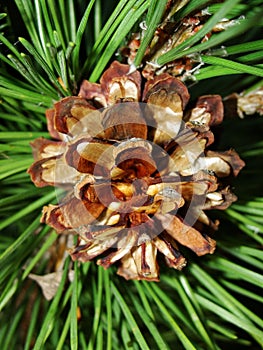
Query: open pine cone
[136,171]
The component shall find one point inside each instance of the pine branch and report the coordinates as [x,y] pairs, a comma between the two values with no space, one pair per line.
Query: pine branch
[215,302]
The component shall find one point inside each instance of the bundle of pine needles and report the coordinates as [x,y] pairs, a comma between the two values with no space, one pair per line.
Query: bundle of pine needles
[46,301]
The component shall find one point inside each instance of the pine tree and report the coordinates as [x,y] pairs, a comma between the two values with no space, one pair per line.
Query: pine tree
[49,302]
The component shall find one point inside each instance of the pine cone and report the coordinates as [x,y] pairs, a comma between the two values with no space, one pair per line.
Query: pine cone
[136,170]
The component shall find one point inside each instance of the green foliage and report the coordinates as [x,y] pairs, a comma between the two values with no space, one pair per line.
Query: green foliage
[215,301]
